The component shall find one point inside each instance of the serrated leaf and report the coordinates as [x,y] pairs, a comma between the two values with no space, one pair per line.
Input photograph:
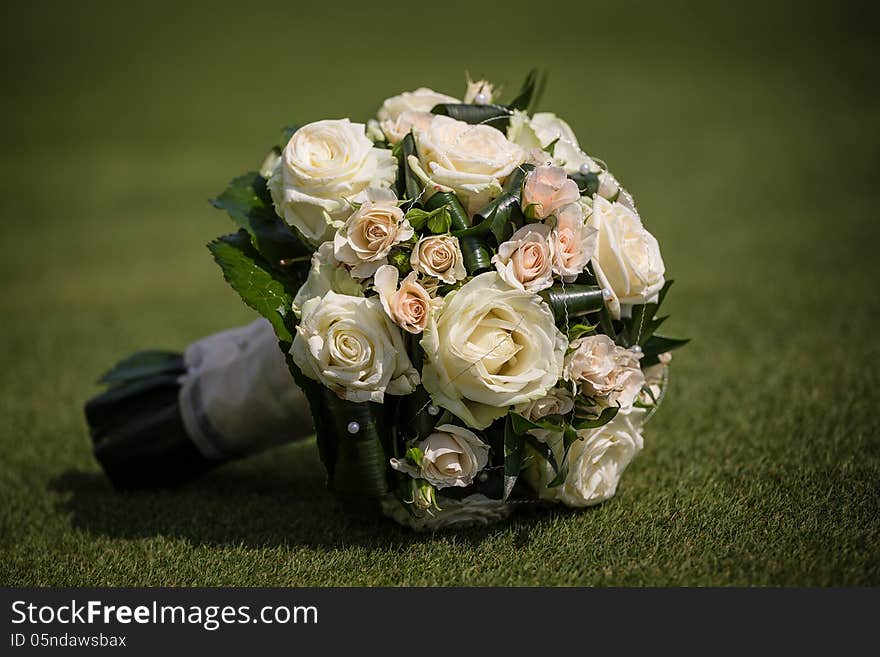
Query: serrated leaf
[248,203]
[261,287]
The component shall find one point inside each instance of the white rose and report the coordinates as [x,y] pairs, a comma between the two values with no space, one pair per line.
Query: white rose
[489,347]
[544,129]
[627,260]
[399,114]
[595,464]
[574,243]
[325,167]
[439,256]
[525,261]
[365,239]
[471,160]
[604,371]
[451,456]
[326,274]
[351,346]
[420,100]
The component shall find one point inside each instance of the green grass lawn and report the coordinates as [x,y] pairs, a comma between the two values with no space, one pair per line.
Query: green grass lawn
[749,138]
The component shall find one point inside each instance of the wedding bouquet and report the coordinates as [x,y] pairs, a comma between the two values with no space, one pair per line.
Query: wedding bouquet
[466,299]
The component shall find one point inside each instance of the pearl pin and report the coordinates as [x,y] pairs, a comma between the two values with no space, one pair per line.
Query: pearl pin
[353,427]
[584,169]
[481,99]
[607,294]
[433,410]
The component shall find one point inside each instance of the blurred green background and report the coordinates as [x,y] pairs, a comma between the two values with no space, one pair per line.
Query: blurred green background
[748,133]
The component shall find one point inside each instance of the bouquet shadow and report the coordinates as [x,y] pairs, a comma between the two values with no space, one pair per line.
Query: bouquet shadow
[276,499]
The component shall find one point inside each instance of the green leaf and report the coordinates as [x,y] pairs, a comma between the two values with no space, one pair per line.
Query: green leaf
[578,330]
[658,344]
[417,217]
[261,287]
[409,186]
[530,92]
[439,223]
[415,456]
[569,438]
[502,215]
[496,116]
[604,418]
[514,445]
[522,425]
[142,364]
[588,184]
[248,203]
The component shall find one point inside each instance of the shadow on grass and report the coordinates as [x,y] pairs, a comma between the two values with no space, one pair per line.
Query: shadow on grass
[277,500]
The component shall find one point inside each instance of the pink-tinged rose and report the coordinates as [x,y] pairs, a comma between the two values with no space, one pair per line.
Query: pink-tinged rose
[367,236]
[604,372]
[574,243]
[439,256]
[525,261]
[408,306]
[546,190]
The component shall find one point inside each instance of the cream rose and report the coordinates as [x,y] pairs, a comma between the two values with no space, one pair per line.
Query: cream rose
[400,114]
[546,190]
[326,274]
[451,456]
[595,464]
[544,129]
[352,347]
[489,347]
[525,261]
[471,160]
[627,259]
[574,243]
[439,256]
[409,306]
[324,168]
[364,240]
[604,372]
[557,401]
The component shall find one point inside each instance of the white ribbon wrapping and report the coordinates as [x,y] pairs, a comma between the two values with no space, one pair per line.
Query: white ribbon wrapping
[238,397]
